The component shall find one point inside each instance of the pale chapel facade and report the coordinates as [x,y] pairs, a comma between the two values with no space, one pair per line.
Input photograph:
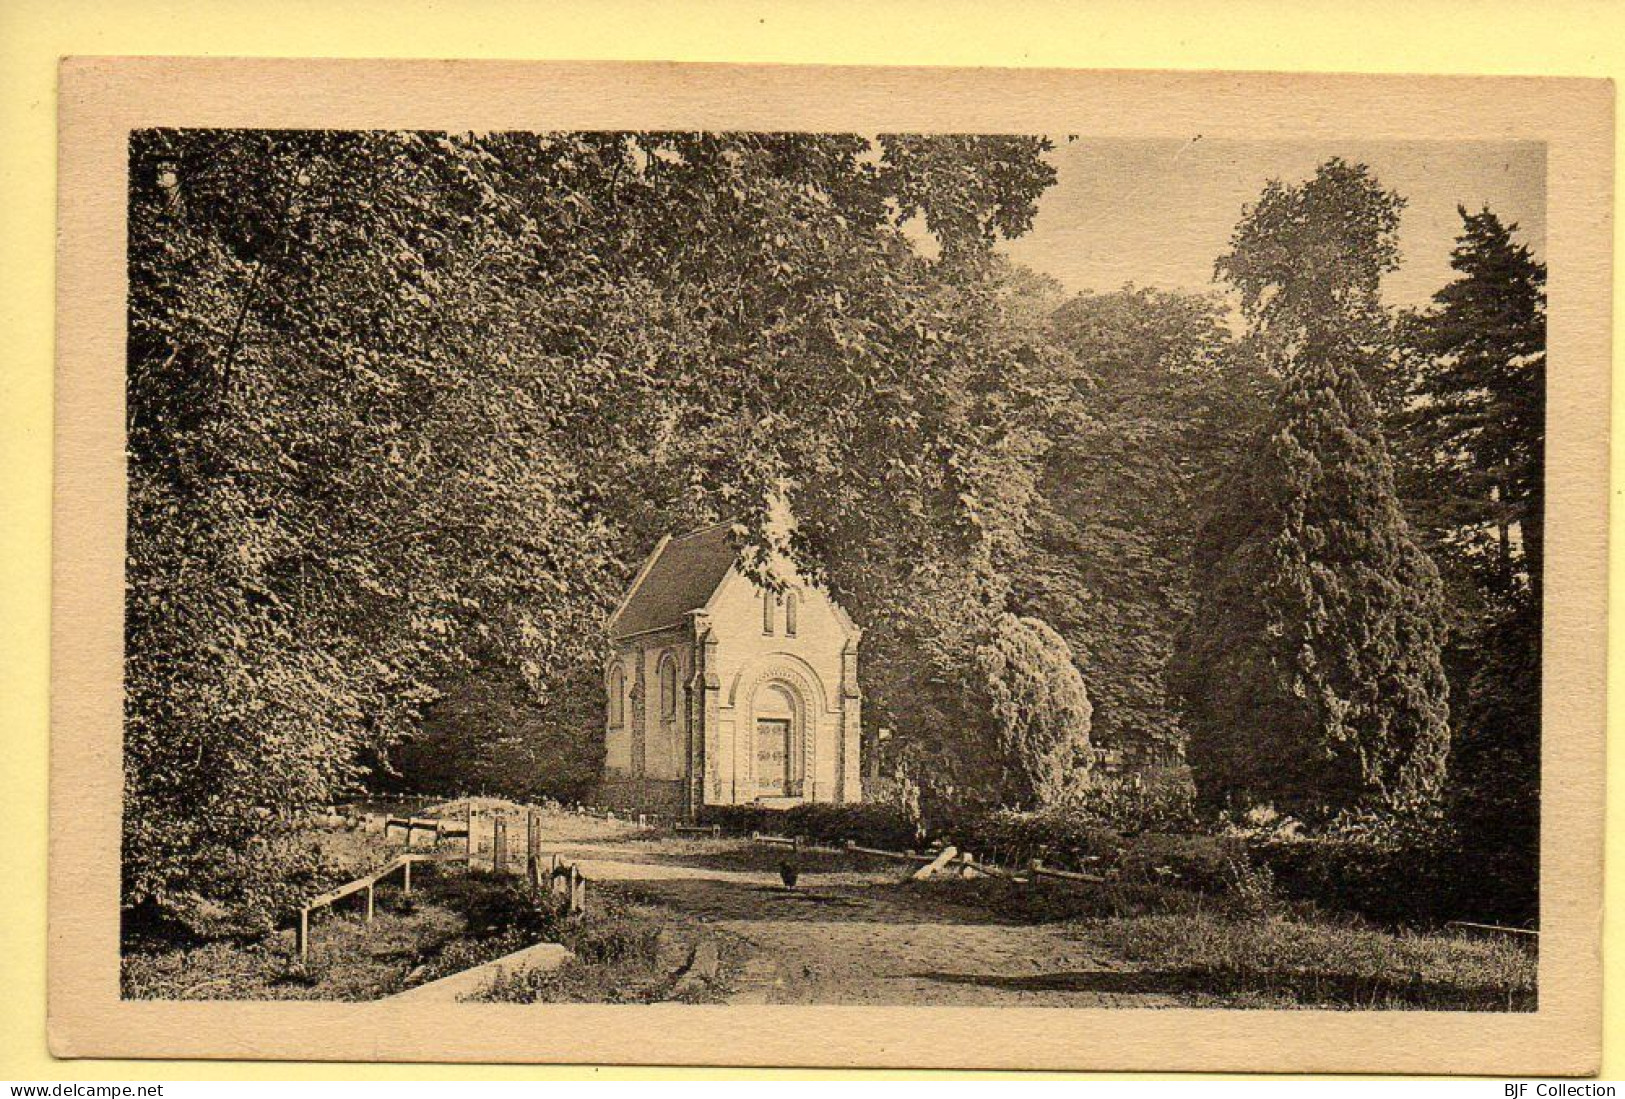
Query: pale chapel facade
[721,692]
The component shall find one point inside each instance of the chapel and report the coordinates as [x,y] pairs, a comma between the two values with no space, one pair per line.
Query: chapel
[723,691]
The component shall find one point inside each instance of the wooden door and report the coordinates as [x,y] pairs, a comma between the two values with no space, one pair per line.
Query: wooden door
[772,756]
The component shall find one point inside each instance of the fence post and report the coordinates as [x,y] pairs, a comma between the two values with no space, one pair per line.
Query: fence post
[499,844]
[406,879]
[533,847]
[302,935]
[369,902]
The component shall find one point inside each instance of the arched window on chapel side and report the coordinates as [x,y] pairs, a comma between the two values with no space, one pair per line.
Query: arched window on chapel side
[668,686]
[617,696]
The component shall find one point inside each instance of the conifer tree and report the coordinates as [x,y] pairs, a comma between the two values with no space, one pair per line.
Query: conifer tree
[1475,418]
[1474,425]
[1310,674]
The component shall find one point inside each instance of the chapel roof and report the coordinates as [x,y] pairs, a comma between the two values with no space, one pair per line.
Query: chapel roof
[679,577]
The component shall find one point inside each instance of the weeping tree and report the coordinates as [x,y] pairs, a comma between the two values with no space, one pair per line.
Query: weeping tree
[987,708]
[1310,673]
[1038,708]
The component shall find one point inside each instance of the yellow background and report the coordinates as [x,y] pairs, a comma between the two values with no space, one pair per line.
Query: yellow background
[1492,37]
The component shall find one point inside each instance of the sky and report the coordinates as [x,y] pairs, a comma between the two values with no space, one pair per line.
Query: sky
[1157,212]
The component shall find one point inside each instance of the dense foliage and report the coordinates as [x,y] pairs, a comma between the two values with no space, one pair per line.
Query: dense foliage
[396,399]
[1038,708]
[1473,425]
[1472,422]
[488,733]
[406,409]
[1310,675]
[1160,404]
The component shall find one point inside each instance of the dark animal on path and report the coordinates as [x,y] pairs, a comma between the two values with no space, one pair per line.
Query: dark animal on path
[788,874]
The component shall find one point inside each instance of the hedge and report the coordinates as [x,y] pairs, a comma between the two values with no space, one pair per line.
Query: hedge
[1417,881]
[882,826]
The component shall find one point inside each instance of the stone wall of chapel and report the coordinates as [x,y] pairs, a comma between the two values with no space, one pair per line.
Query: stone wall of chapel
[745,650]
[651,743]
[663,735]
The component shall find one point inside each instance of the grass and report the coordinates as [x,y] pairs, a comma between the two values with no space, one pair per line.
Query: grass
[1217,951]
[1227,961]
[625,952]
[453,920]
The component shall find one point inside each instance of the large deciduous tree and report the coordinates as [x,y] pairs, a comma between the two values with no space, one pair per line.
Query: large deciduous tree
[932,582]
[1310,674]
[1160,403]
[398,401]
[337,476]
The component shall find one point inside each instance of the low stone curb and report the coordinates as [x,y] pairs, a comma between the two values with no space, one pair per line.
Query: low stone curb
[449,990]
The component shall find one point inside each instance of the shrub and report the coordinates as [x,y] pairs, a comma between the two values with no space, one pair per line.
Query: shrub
[1390,881]
[1200,862]
[1060,836]
[1251,887]
[884,826]
[1040,710]
[1164,801]
[613,937]
[496,904]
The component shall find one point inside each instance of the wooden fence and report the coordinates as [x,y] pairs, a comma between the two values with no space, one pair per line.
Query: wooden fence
[367,883]
[488,837]
[947,858]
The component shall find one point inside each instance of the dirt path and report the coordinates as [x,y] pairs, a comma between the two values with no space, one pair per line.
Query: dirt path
[859,937]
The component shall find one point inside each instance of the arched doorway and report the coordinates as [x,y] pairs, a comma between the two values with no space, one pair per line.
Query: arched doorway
[778,760]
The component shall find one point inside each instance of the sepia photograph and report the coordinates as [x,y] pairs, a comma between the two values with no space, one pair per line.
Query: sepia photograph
[504,507]
[810,567]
